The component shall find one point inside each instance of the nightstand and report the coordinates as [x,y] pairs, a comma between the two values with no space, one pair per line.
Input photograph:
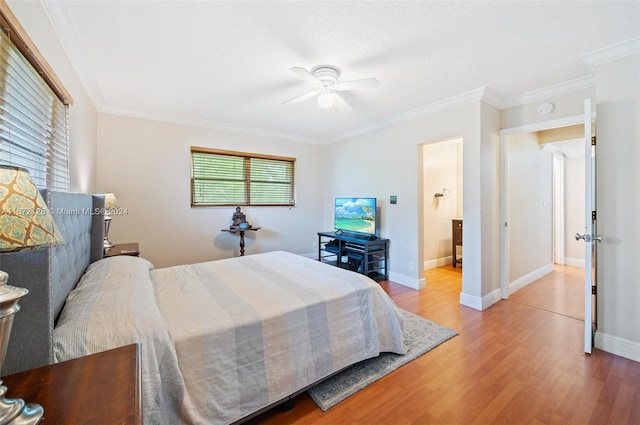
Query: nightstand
[103,388]
[123,249]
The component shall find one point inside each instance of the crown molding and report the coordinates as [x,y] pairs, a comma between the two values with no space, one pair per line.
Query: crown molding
[194,122]
[484,94]
[612,53]
[586,82]
[462,99]
[493,99]
[60,20]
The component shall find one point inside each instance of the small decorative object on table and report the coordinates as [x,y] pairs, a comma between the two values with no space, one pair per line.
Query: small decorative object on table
[238,225]
[239,220]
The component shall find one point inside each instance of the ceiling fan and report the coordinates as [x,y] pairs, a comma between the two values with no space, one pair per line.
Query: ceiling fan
[327,85]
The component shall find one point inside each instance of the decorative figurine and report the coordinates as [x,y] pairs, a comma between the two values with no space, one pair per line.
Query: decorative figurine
[239,220]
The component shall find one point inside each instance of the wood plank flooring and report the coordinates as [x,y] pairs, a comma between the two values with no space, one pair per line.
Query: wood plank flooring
[515,363]
[561,291]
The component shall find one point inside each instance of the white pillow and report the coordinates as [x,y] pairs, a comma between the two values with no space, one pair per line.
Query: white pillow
[119,267]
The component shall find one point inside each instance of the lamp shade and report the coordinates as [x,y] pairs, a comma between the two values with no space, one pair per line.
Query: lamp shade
[25,220]
[110,201]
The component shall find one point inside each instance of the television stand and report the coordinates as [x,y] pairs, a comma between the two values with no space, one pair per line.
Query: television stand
[364,254]
[358,236]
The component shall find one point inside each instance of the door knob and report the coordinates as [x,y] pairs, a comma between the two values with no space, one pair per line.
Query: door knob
[588,238]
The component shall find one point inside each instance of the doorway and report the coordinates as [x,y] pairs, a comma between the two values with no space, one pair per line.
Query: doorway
[568,193]
[545,202]
[442,196]
[531,230]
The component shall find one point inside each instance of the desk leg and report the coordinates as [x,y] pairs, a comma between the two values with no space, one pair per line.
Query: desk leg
[242,243]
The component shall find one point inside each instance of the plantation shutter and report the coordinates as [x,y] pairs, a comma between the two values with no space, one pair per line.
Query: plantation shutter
[33,121]
[223,178]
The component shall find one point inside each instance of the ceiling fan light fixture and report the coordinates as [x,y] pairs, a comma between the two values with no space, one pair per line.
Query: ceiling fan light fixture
[325,100]
[327,86]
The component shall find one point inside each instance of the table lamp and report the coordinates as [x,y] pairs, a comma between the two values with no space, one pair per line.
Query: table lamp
[110,203]
[25,224]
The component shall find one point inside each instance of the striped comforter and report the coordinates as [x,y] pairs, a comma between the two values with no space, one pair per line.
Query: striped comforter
[223,339]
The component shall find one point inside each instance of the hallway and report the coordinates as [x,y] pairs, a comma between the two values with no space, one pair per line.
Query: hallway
[561,292]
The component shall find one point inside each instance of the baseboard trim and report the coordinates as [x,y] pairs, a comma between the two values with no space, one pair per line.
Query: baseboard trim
[405,280]
[439,262]
[619,346]
[523,281]
[480,303]
[471,301]
[574,262]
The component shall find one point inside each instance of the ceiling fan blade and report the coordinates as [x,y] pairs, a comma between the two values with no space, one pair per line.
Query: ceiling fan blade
[365,83]
[302,97]
[340,104]
[306,75]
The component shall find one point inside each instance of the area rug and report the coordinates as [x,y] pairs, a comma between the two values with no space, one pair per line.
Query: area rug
[420,336]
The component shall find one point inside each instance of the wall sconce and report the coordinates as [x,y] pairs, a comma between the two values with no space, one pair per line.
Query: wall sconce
[444,194]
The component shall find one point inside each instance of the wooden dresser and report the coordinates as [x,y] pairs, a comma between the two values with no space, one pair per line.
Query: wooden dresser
[102,388]
[456,238]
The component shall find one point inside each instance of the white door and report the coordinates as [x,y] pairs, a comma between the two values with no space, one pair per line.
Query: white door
[589,236]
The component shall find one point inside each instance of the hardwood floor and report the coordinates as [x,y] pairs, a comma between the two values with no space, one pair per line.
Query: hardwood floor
[510,364]
[561,291]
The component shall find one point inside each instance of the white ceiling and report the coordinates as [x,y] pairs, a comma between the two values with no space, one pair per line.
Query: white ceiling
[226,63]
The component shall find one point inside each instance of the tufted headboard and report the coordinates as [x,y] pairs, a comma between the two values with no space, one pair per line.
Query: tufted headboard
[50,275]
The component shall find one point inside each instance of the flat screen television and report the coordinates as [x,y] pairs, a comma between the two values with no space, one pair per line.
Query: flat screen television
[356,215]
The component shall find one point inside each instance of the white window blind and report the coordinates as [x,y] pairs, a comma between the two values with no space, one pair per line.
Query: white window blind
[33,121]
[225,178]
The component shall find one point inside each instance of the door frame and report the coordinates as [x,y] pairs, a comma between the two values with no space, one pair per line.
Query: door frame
[504,187]
[590,228]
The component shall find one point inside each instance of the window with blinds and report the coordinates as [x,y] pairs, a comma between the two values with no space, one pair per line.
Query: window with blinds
[33,120]
[224,178]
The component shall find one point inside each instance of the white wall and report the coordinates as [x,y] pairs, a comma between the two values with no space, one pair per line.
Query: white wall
[489,191]
[530,207]
[389,162]
[147,165]
[82,115]
[442,165]
[618,203]
[566,105]
[574,210]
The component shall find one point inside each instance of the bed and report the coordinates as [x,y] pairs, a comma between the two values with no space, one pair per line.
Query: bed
[219,340]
